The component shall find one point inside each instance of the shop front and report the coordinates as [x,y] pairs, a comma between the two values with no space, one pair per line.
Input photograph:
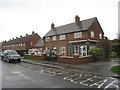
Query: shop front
[81,47]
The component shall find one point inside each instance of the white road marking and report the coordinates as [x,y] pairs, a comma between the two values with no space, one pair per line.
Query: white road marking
[83,82]
[99,84]
[16,72]
[112,84]
[20,74]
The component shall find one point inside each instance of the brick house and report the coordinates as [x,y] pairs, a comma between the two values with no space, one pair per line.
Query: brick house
[75,38]
[0,45]
[22,43]
[39,45]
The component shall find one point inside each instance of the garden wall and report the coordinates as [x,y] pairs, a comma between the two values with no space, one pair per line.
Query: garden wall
[75,59]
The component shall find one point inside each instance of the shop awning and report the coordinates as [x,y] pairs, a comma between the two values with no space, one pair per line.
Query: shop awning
[83,41]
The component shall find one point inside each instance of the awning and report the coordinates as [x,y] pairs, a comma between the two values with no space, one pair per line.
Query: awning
[83,41]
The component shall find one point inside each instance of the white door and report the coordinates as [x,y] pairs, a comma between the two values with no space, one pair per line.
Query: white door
[83,50]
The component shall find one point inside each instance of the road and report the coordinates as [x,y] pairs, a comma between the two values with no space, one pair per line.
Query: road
[26,75]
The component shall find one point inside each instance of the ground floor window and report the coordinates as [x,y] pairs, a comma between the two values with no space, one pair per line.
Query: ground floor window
[63,51]
[80,50]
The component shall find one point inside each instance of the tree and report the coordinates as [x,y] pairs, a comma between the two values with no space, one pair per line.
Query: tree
[106,46]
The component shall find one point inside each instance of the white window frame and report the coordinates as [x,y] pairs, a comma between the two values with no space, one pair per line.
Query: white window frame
[92,34]
[78,35]
[31,43]
[62,37]
[47,39]
[54,38]
[100,35]
[63,52]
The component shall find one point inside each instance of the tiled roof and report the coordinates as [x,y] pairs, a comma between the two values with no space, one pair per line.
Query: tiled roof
[72,27]
[39,43]
[18,40]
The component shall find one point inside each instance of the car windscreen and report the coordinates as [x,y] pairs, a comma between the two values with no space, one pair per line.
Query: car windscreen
[12,52]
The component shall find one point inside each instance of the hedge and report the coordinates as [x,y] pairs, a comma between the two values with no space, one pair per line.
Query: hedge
[21,52]
[116,69]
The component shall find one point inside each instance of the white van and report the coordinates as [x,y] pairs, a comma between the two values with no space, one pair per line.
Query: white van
[34,51]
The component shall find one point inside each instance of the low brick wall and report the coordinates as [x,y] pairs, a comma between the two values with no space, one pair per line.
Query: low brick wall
[75,59]
[65,59]
[34,56]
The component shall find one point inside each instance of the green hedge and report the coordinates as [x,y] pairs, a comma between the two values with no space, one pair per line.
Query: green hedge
[21,52]
[96,53]
[112,54]
[116,69]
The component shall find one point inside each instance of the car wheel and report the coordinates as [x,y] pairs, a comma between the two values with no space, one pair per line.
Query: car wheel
[9,61]
[19,60]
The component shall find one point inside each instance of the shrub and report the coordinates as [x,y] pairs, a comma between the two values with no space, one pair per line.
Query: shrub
[21,52]
[116,48]
[116,69]
[112,54]
[106,46]
[96,53]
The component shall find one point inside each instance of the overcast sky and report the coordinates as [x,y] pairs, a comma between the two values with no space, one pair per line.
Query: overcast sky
[18,17]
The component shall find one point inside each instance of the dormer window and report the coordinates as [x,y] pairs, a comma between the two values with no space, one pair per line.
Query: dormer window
[92,34]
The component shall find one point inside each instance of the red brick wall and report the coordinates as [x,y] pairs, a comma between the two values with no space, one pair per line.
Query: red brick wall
[96,28]
[75,60]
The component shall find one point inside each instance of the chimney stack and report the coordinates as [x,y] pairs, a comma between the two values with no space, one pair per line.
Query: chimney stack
[52,26]
[33,32]
[26,34]
[77,19]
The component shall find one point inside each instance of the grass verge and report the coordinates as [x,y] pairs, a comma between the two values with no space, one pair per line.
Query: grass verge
[116,69]
[32,59]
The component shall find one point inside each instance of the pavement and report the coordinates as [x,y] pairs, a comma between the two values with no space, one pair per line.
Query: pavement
[99,68]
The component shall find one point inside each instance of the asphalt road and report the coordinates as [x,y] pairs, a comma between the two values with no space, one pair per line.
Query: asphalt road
[26,75]
[16,76]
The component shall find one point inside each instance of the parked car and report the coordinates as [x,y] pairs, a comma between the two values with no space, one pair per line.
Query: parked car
[34,51]
[11,56]
[1,53]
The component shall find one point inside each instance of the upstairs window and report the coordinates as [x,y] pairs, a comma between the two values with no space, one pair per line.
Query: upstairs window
[31,43]
[47,39]
[100,35]
[92,34]
[78,35]
[62,37]
[54,38]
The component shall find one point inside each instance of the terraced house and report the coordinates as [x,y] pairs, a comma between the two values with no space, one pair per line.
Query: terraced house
[75,38]
[22,43]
